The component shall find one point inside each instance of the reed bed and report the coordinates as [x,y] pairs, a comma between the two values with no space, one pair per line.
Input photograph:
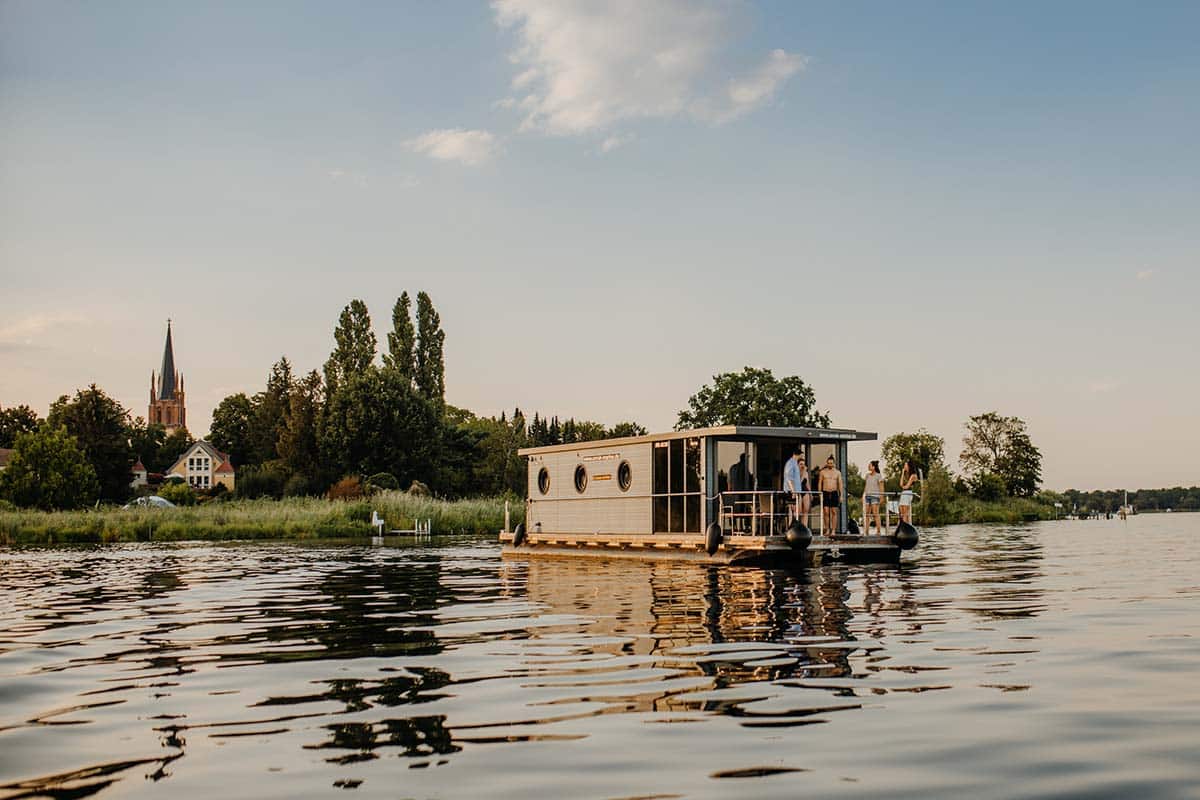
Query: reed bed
[291,518]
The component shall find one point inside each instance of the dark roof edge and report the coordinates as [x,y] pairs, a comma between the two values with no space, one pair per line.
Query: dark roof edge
[759,431]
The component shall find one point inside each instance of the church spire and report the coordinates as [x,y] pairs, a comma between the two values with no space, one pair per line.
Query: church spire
[166,375]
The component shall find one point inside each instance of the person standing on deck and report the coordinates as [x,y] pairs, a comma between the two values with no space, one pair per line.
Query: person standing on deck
[908,479]
[872,493]
[832,490]
[795,482]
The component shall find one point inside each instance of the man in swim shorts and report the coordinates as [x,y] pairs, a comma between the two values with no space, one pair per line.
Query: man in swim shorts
[832,488]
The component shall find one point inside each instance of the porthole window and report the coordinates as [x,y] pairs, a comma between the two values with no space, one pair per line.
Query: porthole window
[580,478]
[624,476]
[543,480]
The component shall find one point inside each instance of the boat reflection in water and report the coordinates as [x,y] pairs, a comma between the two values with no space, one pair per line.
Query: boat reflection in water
[730,624]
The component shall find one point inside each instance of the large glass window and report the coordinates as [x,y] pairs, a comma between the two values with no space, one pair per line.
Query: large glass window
[735,467]
[677,486]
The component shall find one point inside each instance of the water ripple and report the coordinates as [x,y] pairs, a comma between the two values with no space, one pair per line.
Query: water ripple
[995,661]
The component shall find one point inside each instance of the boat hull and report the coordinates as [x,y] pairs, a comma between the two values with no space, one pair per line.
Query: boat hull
[735,551]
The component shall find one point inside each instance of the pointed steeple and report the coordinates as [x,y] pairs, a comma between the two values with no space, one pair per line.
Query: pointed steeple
[166,375]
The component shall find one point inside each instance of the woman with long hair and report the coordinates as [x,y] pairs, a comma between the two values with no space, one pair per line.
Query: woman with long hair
[872,493]
[908,479]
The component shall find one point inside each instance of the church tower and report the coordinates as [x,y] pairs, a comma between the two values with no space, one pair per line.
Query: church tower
[166,397]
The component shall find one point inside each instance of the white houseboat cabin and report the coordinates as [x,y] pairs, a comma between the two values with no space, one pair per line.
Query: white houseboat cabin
[710,494]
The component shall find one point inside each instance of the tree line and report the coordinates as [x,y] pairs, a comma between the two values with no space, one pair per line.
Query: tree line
[382,418]
[82,452]
[1105,501]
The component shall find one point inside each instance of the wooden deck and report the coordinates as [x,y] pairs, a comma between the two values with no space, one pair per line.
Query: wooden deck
[736,549]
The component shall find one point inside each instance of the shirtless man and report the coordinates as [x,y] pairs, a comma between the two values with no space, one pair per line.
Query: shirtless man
[832,490]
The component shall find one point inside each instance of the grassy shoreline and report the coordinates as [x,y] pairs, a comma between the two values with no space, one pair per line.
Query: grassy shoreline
[303,518]
[298,518]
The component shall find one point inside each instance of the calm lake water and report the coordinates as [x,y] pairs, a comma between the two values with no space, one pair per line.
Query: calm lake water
[1052,659]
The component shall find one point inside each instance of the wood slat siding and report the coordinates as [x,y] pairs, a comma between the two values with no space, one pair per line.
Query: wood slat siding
[602,506]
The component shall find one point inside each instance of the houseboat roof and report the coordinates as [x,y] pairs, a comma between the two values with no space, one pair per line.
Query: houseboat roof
[749,431]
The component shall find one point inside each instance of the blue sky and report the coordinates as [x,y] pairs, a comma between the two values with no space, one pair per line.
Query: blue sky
[926,210]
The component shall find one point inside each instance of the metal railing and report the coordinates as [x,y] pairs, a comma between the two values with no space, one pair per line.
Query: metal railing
[769,513]
[766,513]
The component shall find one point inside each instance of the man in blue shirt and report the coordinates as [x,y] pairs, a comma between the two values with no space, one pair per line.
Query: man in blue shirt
[795,481]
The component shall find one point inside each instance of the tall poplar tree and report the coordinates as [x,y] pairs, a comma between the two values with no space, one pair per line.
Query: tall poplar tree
[430,362]
[354,346]
[401,352]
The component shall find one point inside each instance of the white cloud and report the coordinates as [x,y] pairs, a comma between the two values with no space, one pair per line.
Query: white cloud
[29,331]
[617,140]
[748,93]
[1146,274]
[585,67]
[455,144]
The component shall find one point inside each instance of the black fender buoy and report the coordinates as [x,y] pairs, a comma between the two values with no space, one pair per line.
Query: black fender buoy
[852,527]
[712,538]
[519,534]
[906,535]
[798,535]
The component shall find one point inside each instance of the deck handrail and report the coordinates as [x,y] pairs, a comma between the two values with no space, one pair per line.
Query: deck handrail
[785,509]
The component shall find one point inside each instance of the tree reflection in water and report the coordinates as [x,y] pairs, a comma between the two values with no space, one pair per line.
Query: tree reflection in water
[357,653]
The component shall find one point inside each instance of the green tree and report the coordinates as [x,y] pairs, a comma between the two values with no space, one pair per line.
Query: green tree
[500,470]
[457,473]
[146,441]
[753,397]
[354,346]
[855,482]
[270,409]
[376,422]
[230,432]
[297,446]
[101,426]
[623,429]
[49,470]
[401,354]
[430,360]
[1001,446]
[987,486]
[923,448]
[937,495]
[15,420]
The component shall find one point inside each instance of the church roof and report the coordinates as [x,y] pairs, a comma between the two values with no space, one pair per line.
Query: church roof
[166,375]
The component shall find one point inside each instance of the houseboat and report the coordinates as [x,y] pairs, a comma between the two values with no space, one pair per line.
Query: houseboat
[713,495]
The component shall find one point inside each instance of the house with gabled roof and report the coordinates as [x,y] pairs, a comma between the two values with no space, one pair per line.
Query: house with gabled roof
[140,476]
[203,466]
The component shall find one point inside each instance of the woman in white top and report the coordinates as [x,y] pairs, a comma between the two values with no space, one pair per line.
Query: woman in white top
[908,479]
[872,494]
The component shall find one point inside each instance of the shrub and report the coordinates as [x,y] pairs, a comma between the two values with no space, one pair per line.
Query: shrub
[418,489]
[383,480]
[298,486]
[937,495]
[266,480]
[178,493]
[348,488]
[988,487]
